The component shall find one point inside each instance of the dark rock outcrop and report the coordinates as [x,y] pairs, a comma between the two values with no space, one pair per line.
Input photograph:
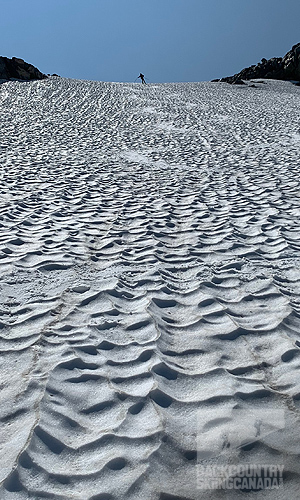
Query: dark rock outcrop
[18,69]
[277,68]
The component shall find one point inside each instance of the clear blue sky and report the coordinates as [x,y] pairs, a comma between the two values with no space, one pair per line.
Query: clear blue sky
[167,40]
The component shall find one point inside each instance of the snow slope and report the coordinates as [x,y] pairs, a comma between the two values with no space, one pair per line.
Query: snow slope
[149,261]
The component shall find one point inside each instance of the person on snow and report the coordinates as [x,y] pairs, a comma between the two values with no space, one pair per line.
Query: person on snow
[142,77]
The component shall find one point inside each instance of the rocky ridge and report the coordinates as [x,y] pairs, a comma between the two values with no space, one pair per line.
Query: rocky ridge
[276,68]
[18,69]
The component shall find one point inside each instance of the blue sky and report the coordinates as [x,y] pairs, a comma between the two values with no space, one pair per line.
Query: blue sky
[167,40]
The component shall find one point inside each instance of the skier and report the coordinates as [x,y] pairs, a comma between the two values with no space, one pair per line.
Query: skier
[142,77]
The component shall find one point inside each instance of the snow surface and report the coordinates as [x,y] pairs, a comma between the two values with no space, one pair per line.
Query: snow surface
[149,261]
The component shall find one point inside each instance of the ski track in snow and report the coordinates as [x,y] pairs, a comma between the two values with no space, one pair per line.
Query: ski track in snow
[149,260]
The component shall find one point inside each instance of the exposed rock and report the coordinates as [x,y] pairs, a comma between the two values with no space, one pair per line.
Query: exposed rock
[18,69]
[276,68]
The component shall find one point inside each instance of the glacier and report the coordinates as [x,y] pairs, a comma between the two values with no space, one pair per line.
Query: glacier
[150,287]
